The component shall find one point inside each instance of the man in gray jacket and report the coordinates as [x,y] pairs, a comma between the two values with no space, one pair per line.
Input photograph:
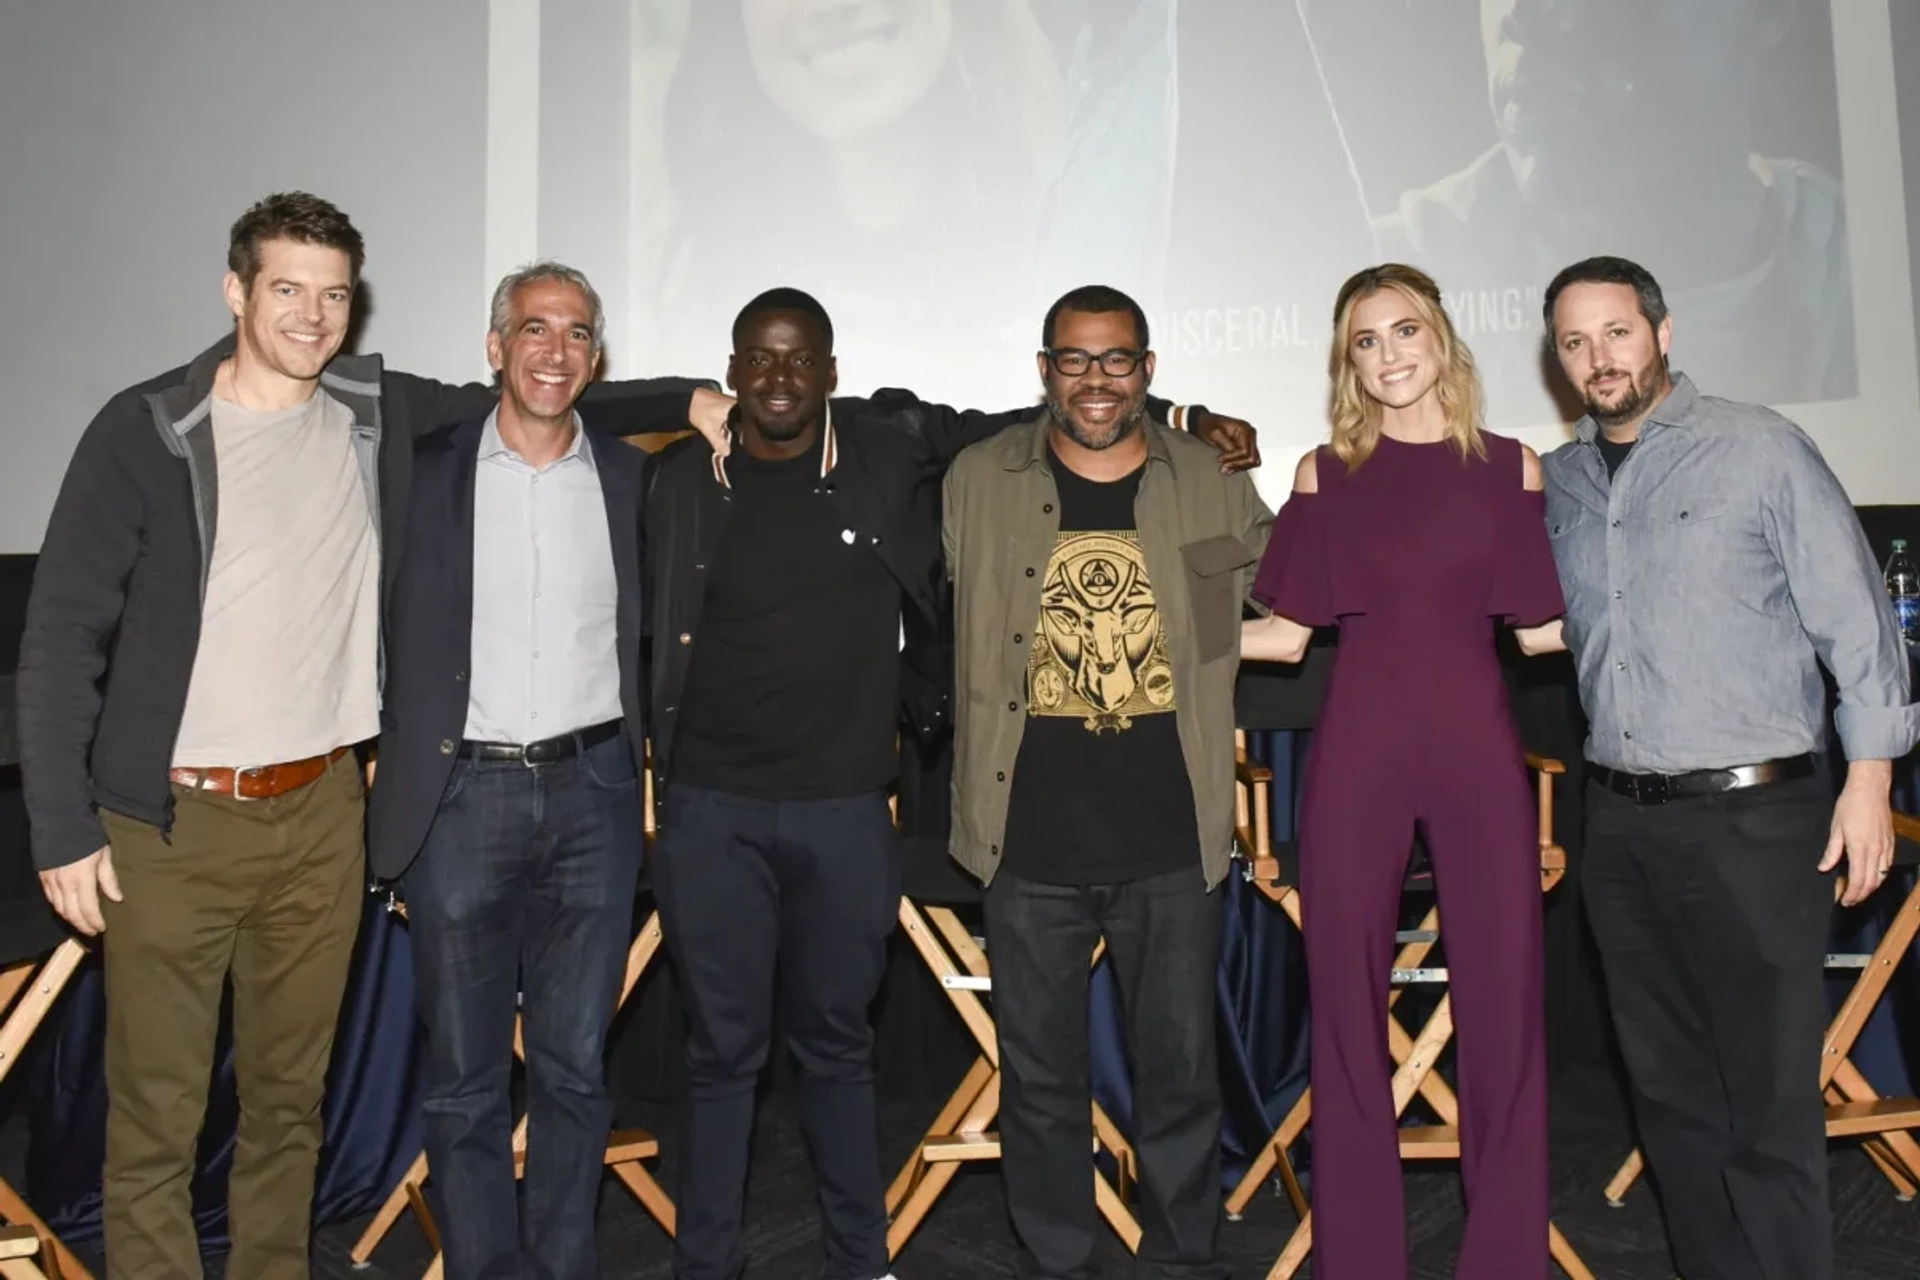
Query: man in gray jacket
[200,659]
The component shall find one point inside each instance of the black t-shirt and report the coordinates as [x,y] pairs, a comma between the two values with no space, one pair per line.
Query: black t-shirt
[1100,788]
[1613,453]
[793,691]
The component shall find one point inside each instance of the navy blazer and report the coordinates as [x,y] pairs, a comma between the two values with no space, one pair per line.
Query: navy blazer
[429,639]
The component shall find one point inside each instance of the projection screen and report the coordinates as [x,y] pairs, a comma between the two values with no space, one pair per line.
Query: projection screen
[938,171]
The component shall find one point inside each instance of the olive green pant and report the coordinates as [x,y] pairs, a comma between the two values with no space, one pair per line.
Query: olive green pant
[269,892]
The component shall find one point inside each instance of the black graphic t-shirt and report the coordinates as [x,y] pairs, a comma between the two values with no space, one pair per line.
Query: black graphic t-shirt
[1100,788]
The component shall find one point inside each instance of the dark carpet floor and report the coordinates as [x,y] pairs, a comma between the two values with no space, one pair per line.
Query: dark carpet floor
[967,1236]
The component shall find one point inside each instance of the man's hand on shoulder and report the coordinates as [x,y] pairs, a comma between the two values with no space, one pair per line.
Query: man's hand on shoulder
[1237,441]
[707,413]
[75,889]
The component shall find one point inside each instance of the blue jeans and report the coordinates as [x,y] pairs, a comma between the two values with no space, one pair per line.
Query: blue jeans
[815,885]
[525,885]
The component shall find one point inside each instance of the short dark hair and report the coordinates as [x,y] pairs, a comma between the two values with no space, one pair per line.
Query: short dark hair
[1094,299]
[292,215]
[1608,270]
[784,299]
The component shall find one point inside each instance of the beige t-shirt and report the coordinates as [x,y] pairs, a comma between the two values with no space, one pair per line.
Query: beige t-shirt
[289,631]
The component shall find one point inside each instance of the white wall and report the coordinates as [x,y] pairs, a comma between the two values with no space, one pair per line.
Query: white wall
[131,136]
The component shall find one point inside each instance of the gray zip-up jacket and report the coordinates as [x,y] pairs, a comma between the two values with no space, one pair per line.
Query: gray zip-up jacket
[113,622]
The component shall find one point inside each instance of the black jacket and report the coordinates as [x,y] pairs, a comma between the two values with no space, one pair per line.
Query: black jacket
[430,631]
[893,452]
[113,622]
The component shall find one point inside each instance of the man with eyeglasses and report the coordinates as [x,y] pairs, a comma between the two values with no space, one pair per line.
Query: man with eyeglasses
[1100,563]
[778,579]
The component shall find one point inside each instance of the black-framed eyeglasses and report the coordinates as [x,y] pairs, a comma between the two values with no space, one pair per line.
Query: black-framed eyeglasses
[1071,362]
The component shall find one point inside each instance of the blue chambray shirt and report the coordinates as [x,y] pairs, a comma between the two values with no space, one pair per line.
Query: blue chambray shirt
[1705,586]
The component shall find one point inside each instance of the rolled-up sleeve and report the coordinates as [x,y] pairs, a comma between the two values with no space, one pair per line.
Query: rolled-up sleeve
[1841,599]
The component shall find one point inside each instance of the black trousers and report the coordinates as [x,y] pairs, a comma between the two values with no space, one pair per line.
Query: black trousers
[1163,938]
[814,886]
[1712,921]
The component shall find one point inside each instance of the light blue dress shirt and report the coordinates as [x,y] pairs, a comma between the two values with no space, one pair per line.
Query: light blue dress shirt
[544,659]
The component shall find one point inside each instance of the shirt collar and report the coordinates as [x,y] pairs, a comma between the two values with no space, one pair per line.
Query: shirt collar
[1674,410]
[1038,454]
[492,446]
[829,449]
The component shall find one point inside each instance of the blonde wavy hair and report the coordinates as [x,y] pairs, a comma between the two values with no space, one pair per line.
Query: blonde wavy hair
[1355,415]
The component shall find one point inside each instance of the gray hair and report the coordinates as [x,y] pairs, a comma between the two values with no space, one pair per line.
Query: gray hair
[537,271]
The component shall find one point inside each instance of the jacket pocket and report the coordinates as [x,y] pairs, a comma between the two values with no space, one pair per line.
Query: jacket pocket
[1213,586]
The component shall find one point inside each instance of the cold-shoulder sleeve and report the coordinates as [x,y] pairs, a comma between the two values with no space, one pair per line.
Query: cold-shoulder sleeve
[1526,588]
[1298,578]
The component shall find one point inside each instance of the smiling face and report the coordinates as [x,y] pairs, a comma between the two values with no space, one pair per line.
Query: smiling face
[547,355]
[1393,348]
[782,370]
[843,68]
[1096,409]
[293,318]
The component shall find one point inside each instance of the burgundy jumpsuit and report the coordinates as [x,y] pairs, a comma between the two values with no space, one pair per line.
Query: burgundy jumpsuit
[1415,554]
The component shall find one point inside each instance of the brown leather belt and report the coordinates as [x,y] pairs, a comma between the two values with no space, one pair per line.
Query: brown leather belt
[1659,788]
[263,782]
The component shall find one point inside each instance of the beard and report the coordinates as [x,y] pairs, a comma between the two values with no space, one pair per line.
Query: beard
[1645,386]
[1133,414]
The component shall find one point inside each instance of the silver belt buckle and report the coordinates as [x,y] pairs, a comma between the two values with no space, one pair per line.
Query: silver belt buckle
[238,774]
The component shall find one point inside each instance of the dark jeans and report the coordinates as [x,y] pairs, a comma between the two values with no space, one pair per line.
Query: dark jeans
[1712,922]
[815,885]
[525,885]
[1163,938]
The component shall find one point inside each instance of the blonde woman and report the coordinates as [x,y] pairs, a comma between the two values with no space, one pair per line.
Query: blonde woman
[1417,533]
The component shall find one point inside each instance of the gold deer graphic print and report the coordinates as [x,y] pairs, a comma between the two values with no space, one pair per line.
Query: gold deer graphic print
[1100,651]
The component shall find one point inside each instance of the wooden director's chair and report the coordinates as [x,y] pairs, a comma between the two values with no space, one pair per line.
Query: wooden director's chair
[28,989]
[19,1247]
[1854,1109]
[626,1148]
[1271,869]
[933,890]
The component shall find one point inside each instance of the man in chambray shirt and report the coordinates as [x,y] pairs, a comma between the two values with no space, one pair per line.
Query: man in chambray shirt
[1712,565]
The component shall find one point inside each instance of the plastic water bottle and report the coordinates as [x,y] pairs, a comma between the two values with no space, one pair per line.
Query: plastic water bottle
[1903,588]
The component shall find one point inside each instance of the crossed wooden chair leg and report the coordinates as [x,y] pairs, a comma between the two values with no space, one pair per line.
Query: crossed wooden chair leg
[626,1148]
[1854,1108]
[28,990]
[20,1254]
[961,1132]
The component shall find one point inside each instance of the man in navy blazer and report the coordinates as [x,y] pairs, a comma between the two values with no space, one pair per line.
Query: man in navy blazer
[508,799]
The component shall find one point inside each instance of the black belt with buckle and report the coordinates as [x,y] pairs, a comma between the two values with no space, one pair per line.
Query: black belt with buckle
[1658,788]
[547,750]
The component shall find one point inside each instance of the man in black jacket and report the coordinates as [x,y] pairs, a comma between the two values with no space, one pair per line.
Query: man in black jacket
[776,579]
[508,793]
[201,654]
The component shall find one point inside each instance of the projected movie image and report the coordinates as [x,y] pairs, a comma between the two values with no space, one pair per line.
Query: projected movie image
[929,169]
[937,171]
[1641,128]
